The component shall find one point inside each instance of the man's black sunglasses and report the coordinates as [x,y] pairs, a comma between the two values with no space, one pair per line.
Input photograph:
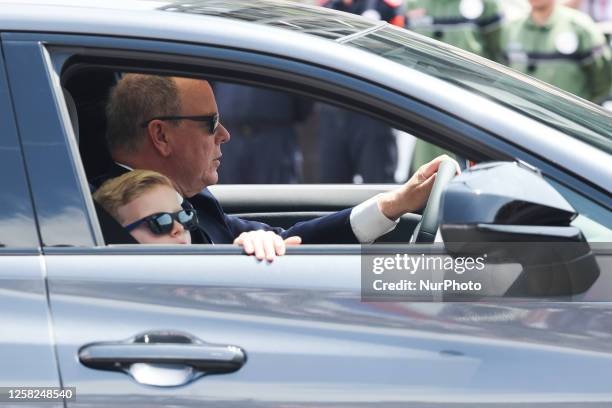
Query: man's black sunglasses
[212,120]
[161,223]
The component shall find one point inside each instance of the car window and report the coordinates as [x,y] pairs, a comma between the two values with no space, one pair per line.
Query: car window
[594,221]
[54,179]
[17,225]
[277,137]
[253,114]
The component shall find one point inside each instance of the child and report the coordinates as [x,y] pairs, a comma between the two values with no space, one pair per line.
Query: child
[146,204]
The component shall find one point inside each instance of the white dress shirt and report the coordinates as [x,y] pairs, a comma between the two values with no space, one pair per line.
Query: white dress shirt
[369,223]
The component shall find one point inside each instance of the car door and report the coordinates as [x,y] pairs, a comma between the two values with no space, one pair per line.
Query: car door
[294,332]
[27,353]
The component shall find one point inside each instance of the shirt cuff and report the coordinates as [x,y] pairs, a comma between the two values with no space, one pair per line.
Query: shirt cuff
[369,223]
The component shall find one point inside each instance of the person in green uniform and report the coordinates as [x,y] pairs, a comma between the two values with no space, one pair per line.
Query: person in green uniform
[473,25]
[561,46]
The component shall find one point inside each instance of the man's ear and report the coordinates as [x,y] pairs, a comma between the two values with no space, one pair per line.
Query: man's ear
[156,132]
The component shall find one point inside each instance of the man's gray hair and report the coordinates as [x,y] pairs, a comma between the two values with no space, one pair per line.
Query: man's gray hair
[135,99]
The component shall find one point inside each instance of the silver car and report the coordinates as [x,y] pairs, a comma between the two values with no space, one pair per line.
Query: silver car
[205,325]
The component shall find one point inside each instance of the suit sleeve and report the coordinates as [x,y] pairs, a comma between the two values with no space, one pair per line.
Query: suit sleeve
[238,225]
[331,229]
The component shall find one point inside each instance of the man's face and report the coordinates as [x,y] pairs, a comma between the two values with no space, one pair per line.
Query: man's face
[158,199]
[196,153]
[541,4]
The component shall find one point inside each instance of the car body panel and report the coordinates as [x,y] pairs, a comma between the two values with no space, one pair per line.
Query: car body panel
[27,353]
[311,341]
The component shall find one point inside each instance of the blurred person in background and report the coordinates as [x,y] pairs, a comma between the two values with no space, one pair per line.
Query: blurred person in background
[390,11]
[264,148]
[472,25]
[599,10]
[561,46]
[354,147]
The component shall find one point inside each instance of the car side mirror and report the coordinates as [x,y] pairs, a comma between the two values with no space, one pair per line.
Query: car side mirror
[510,212]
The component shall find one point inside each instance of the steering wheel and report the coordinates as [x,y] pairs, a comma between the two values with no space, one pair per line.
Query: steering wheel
[426,229]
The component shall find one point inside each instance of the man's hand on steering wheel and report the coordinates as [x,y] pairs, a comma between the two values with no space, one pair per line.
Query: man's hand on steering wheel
[413,195]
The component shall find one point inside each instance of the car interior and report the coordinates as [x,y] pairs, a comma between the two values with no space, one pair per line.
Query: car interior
[86,88]
[86,91]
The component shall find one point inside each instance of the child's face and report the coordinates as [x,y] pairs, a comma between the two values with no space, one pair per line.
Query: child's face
[158,199]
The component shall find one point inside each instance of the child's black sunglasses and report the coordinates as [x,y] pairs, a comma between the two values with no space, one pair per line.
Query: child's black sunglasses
[161,223]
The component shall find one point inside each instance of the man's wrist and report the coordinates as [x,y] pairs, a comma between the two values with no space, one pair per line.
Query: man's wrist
[368,222]
[394,204]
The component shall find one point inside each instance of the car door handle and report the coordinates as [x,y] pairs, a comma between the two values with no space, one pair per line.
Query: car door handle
[162,352]
[212,359]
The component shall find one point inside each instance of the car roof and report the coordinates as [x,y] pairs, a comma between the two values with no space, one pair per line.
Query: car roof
[197,21]
[291,16]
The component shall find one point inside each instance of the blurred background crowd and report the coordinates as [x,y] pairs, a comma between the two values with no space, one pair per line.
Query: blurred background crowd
[278,137]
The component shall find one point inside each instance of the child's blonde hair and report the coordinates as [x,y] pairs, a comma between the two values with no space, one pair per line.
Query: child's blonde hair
[119,191]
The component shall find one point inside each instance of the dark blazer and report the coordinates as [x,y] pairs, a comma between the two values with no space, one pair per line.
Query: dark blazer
[221,228]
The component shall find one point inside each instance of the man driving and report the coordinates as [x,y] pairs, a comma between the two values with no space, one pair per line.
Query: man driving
[171,125]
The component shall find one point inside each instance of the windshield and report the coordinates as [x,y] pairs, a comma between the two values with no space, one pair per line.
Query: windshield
[556,108]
